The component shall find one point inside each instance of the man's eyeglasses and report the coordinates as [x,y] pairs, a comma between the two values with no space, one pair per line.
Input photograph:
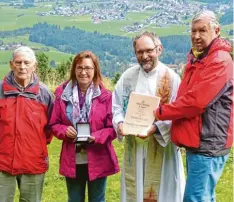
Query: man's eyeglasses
[86,69]
[147,51]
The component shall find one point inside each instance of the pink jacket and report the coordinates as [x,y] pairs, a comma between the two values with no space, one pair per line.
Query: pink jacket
[102,159]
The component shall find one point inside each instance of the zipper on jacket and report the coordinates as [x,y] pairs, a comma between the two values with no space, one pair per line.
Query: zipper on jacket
[190,77]
[94,105]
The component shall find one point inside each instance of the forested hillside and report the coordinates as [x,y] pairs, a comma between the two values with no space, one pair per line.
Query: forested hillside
[73,27]
[114,52]
[227,18]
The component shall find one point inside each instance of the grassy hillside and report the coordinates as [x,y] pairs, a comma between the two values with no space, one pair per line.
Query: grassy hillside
[13,18]
[55,188]
[3,70]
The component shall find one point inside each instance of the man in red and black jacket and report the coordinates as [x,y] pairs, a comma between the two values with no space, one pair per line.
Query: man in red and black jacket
[25,108]
[202,119]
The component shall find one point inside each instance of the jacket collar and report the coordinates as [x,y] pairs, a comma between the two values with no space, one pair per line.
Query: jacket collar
[10,87]
[202,55]
[67,92]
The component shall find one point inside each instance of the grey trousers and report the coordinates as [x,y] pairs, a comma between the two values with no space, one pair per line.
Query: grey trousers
[30,187]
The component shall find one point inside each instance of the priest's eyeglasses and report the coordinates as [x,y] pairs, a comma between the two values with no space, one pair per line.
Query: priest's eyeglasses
[147,51]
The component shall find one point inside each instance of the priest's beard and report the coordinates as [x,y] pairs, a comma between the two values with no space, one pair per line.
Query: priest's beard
[149,64]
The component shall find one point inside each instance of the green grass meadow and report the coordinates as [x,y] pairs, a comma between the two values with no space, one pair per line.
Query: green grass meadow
[4,69]
[14,18]
[55,188]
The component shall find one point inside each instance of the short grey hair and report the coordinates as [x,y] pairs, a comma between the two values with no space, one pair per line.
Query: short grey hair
[153,36]
[24,49]
[209,15]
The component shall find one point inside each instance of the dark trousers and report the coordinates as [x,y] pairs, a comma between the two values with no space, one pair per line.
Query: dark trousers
[76,186]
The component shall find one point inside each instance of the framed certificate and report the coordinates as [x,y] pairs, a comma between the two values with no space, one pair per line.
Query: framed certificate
[139,116]
[83,132]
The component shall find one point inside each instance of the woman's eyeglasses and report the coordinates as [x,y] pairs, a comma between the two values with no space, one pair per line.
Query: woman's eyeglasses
[86,69]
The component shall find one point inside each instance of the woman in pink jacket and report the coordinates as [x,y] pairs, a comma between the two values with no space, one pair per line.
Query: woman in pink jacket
[82,103]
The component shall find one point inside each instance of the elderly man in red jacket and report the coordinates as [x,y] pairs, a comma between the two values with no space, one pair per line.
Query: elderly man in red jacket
[202,113]
[25,107]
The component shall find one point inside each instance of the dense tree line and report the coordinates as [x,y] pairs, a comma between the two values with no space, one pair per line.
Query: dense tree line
[115,52]
[49,75]
[73,40]
[14,33]
[227,18]
[230,32]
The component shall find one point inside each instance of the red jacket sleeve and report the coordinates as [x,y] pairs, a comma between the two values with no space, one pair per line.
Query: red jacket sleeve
[216,73]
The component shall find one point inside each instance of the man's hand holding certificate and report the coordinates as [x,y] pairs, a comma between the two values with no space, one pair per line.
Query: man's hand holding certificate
[139,115]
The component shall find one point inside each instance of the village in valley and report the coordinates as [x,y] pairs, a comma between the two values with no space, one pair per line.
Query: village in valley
[160,14]
[167,12]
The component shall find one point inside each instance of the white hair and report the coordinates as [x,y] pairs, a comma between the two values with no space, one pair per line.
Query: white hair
[24,49]
[210,16]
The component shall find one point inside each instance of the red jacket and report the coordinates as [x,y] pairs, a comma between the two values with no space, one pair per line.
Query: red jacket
[23,125]
[202,113]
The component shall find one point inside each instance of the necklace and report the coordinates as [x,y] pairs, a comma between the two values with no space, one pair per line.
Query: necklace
[83,91]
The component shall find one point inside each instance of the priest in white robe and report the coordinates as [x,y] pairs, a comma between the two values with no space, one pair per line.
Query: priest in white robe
[152,169]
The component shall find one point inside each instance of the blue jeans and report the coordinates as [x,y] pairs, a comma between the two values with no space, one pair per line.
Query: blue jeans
[76,186]
[203,173]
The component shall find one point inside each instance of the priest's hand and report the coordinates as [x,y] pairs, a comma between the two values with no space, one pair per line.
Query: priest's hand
[120,128]
[155,115]
[151,131]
